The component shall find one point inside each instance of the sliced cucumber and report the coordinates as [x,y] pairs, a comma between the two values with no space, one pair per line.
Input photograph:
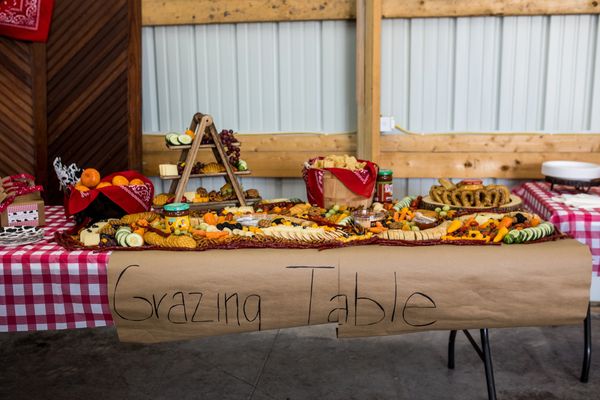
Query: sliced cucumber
[170,136]
[184,139]
[345,221]
[121,239]
[405,202]
[538,233]
[134,240]
[121,234]
[173,140]
[531,234]
[511,237]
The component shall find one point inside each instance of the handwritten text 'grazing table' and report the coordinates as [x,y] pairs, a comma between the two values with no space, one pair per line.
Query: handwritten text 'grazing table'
[367,290]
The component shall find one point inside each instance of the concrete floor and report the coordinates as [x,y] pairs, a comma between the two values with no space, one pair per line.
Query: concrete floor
[303,363]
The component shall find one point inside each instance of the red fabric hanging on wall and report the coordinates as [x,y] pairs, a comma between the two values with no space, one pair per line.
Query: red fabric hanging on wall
[26,19]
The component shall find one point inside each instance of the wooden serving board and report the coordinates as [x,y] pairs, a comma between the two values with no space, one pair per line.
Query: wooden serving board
[515,204]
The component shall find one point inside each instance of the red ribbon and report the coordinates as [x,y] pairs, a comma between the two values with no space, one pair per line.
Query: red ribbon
[17,185]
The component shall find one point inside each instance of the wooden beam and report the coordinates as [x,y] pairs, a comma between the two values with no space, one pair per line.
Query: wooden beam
[368,86]
[268,155]
[491,143]
[466,8]
[134,85]
[182,12]
[476,165]
[410,156]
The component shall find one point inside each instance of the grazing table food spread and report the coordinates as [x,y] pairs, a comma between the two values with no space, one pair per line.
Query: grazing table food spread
[173,273]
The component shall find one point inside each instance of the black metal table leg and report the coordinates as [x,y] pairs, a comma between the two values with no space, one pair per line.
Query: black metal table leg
[487,362]
[587,347]
[483,352]
[451,342]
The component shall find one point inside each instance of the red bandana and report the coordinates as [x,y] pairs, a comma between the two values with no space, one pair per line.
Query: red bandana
[26,19]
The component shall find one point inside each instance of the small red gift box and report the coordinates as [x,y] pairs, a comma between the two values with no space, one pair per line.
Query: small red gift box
[20,201]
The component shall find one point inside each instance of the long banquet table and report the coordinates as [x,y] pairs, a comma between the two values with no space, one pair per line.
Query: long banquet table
[43,287]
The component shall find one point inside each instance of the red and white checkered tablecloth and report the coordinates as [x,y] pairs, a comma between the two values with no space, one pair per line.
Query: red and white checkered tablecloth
[583,225]
[43,286]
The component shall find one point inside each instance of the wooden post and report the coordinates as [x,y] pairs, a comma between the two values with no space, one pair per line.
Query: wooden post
[40,109]
[368,77]
[134,85]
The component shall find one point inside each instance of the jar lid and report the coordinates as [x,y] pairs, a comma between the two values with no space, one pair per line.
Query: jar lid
[385,172]
[176,207]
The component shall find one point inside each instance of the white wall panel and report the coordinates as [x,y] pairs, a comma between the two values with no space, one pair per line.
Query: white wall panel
[523,73]
[258,77]
[571,45]
[395,68]
[476,73]
[338,76]
[149,83]
[257,60]
[431,63]
[492,73]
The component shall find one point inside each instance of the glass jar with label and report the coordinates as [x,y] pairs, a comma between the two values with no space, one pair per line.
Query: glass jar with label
[177,217]
[385,186]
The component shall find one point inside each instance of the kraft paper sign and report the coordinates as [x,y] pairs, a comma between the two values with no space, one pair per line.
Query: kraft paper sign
[450,287]
[370,290]
[159,296]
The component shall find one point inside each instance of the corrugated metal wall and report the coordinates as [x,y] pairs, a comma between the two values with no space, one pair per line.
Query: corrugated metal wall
[260,77]
[492,73]
[444,74]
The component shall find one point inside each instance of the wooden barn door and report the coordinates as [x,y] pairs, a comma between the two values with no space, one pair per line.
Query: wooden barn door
[77,97]
[17,134]
[93,85]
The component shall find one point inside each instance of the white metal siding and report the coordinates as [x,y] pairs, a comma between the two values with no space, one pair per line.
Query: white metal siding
[259,77]
[492,73]
[466,74]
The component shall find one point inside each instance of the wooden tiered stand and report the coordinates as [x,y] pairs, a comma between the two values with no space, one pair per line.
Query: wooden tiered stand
[203,125]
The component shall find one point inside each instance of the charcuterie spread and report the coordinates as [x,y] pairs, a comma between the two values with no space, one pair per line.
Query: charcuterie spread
[285,223]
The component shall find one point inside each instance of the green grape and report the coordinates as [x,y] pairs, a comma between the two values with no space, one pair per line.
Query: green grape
[446,208]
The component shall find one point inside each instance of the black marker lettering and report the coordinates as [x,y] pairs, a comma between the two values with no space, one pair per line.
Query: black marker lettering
[196,309]
[312,281]
[357,298]
[339,308]
[182,305]
[135,297]
[407,305]
[395,297]
[237,307]
[218,308]
[258,310]
[157,306]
